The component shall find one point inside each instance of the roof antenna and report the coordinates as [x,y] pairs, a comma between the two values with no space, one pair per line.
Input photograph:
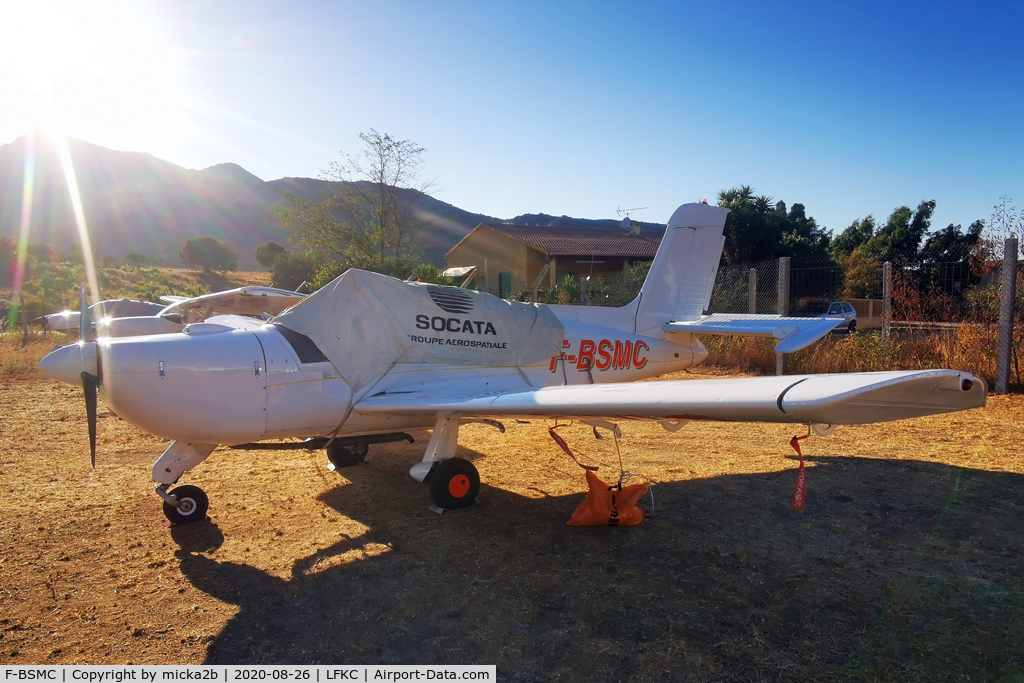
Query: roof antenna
[625,212]
[628,224]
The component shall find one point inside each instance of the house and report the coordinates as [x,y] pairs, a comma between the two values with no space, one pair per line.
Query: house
[509,258]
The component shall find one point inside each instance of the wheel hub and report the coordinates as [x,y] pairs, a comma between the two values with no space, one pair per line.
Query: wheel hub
[459,486]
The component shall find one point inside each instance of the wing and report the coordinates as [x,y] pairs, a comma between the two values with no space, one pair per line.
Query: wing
[852,398]
[794,333]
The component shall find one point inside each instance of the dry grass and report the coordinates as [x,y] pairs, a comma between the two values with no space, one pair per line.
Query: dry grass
[17,360]
[905,565]
[968,347]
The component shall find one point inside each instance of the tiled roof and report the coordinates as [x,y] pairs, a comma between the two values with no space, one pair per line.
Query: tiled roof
[583,242]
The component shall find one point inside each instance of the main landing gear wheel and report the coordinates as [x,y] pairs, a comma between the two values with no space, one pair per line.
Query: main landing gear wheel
[453,483]
[193,504]
[346,456]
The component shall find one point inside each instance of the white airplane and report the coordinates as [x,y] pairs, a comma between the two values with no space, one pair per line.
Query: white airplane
[66,320]
[131,317]
[368,357]
[181,311]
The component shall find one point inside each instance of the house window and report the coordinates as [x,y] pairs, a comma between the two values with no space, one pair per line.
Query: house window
[504,285]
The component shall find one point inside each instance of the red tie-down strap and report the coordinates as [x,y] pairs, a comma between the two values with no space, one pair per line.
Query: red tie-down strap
[568,451]
[800,493]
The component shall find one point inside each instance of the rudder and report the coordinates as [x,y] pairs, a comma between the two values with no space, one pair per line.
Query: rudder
[679,284]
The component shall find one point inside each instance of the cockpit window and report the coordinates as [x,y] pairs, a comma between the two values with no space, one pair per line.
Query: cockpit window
[303,346]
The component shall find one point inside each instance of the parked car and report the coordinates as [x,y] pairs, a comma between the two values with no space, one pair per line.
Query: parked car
[834,309]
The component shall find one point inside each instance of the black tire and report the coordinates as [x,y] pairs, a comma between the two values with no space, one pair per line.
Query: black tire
[347,456]
[852,327]
[453,483]
[194,502]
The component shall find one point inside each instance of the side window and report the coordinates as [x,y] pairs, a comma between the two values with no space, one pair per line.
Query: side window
[848,309]
[304,347]
[835,309]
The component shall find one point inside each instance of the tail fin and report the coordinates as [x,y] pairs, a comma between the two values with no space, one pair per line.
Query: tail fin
[678,286]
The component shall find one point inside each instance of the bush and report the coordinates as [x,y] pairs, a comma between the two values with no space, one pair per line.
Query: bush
[431,274]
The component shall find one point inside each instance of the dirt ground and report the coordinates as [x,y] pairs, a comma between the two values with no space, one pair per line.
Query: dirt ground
[906,564]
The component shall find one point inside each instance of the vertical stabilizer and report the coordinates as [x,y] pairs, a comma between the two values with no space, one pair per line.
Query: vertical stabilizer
[682,275]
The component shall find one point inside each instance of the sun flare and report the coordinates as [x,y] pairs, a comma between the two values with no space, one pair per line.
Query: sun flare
[39,42]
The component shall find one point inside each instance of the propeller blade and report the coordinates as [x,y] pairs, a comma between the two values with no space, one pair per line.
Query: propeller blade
[85,322]
[89,383]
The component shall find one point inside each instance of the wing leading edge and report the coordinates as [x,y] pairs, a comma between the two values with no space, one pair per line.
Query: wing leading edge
[851,398]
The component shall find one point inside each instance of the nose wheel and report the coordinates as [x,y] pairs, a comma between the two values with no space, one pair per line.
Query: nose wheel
[454,483]
[192,504]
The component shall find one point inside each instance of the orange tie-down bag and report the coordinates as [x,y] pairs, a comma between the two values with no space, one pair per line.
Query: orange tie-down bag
[609,505]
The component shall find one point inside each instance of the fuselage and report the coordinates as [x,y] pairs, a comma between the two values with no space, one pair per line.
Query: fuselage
[236,380]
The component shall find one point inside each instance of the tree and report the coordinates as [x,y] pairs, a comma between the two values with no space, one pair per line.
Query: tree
[366,210]
[8,262]
[758,229]
[291,270]
[952,244]
[134,260]
[208,252]
[854,237]
[43,253]
[900,238]
[862,275]
[267,252]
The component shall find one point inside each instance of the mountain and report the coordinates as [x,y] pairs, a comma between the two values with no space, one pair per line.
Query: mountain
[136,203]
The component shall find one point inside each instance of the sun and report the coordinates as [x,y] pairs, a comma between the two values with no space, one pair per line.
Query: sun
[96,68]
[40,42]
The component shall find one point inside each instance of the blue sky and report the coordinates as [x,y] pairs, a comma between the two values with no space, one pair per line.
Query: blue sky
[564,108]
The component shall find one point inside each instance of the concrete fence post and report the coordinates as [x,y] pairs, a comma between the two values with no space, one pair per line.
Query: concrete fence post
[1007,296]
[886,298]
[783,307]
[752,291]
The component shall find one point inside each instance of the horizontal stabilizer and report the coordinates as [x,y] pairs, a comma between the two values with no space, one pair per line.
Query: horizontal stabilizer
[793,333]
[851,398]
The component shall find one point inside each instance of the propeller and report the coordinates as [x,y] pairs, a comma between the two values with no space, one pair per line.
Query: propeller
[89,386]
[90,381]
[85,318]
[79,363]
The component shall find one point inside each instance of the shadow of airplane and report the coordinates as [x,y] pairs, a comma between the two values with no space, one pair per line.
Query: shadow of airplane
[897,570]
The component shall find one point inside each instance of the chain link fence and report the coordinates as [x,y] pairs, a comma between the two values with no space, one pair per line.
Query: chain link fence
[946,291]
[942,311]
